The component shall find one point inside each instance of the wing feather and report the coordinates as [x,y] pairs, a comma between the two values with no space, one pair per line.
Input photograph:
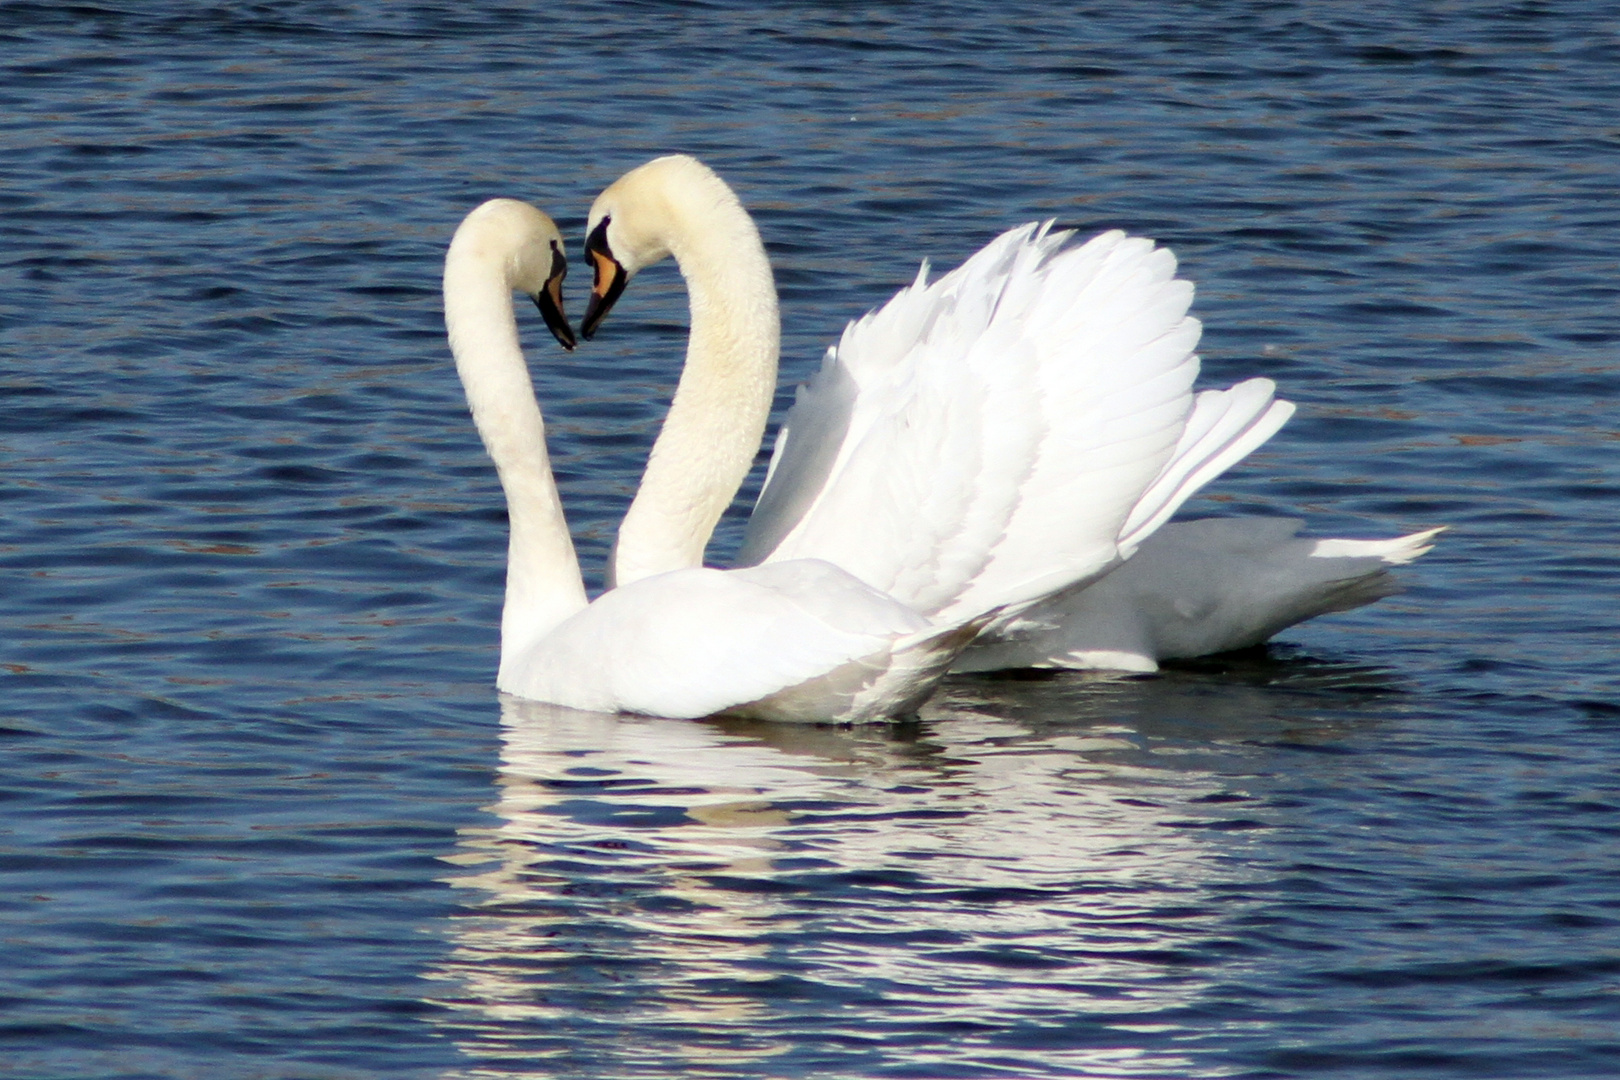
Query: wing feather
[985,437]
[1226,426]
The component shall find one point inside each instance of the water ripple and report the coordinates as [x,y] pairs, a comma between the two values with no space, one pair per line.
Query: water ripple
[266,817]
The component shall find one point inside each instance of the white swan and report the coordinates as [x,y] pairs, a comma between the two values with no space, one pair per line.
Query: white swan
[798,640]
[1017,429]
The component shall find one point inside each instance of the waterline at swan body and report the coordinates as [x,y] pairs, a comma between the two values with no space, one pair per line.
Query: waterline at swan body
[1012,432]
[799,640]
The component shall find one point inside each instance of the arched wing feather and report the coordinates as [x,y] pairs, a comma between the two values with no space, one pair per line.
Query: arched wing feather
[984,438]
[1225,427]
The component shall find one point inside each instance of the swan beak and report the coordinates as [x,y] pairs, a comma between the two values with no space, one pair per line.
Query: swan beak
[609,281]
[550,301]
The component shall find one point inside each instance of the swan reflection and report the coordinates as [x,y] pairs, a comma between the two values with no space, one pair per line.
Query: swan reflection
[1024,871]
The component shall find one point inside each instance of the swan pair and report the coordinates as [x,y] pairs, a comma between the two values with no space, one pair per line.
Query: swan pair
[976,478]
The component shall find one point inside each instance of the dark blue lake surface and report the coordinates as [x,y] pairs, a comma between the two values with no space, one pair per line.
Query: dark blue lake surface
[265,816]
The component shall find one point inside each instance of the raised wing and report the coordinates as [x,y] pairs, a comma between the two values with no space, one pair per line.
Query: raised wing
[984,439]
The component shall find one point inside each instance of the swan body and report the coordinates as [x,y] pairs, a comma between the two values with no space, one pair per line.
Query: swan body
[1008,436]
[1195,588]
[981,442]
[1011,434]
[796,640]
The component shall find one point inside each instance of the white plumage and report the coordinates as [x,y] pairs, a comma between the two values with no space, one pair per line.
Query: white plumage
[970,461]
[1007,435]
[1014,428]
[797,640]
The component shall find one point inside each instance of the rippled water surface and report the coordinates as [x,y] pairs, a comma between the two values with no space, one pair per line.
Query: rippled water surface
[264,815]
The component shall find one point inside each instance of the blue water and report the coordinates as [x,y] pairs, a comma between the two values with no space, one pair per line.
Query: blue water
[264,815]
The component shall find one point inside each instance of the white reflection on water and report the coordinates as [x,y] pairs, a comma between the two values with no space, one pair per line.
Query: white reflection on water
[676,896]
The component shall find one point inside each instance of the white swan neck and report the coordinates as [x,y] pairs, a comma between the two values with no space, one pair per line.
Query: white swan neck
[543,584]
[717,418]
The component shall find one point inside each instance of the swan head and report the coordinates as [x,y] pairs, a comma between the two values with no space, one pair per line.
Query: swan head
[525,245]
[652,212]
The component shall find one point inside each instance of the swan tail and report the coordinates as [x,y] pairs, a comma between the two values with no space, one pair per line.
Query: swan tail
[1396,552]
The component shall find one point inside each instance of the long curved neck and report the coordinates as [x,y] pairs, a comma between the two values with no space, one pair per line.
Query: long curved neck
[543,585]
[717,418]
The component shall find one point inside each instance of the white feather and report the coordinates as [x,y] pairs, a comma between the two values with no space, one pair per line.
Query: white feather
[993,430]
[691,643]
